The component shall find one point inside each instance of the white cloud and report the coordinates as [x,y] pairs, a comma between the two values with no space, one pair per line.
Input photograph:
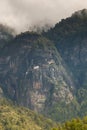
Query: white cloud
[22,14]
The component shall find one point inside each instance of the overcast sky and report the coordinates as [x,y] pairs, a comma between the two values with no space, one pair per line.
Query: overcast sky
[23,14]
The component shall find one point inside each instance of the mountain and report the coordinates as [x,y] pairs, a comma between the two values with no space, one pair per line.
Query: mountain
[47,72]
[20,118]
[33,74]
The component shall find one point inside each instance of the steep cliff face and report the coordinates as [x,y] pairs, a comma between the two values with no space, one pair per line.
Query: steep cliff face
[33,74]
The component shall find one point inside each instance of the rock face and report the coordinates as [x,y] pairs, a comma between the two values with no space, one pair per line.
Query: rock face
[33,74]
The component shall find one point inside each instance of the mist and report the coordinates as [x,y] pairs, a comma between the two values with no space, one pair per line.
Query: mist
[28,14]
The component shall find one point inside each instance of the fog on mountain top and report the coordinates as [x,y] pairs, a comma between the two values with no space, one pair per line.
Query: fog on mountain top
[27,14]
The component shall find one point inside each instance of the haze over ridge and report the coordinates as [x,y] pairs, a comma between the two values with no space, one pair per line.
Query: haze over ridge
[24,14]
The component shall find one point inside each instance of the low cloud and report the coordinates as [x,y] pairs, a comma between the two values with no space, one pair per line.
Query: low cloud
[26,14]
